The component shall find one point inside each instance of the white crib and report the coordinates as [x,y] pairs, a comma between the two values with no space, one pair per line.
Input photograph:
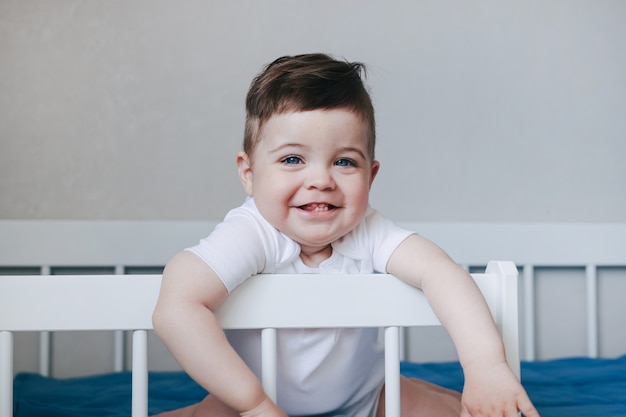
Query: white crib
[116,302]
[585,262]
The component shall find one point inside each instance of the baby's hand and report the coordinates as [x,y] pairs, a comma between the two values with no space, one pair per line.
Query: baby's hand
[266,408]
[493,390]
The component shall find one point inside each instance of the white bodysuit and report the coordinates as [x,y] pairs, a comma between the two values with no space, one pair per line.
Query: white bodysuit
[320,371]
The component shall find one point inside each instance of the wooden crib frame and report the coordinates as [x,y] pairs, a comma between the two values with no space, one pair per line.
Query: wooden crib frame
[126,302]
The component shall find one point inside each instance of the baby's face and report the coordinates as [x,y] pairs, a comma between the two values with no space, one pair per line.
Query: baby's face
[310,174]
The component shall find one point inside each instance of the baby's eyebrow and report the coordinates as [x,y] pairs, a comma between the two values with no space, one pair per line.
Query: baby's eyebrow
[283,146]
[355,150]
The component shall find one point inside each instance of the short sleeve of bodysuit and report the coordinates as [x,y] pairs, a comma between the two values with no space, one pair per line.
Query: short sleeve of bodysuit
[244,244]
[384,237]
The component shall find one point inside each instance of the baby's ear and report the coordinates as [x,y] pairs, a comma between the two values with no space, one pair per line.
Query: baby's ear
[374,171]
[244,166]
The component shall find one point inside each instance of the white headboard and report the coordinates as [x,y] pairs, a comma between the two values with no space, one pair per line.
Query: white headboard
[76,243]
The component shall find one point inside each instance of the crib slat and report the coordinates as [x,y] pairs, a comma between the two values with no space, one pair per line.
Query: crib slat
[506,308]
[404,348]
[592,311]
[529,311]
[140,374]
[6,374]
[118,350]
[45,353]
[392,372]
[269,376]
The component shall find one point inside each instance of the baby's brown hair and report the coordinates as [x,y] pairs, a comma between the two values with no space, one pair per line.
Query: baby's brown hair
[307,82]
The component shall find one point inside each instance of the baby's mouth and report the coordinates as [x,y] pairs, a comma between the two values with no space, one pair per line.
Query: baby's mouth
[317,207]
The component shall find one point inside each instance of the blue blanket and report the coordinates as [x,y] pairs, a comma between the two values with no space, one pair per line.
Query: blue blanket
[573,387]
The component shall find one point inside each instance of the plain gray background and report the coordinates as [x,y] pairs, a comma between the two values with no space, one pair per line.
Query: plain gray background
[496,111]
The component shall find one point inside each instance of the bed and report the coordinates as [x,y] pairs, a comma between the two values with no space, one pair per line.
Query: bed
[572,387]
[577,369]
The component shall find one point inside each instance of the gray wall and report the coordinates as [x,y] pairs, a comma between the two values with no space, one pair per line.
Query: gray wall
[487,110]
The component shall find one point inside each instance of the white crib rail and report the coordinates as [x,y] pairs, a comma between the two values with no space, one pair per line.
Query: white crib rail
[114,302]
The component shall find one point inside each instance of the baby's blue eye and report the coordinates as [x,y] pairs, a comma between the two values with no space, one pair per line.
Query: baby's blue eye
[344,162]
[292,160]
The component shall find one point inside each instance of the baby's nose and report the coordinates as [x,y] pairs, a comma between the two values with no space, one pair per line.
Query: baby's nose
[321,179]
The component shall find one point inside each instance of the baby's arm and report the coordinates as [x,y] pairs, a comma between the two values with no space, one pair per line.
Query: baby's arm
[184,320]
[491,388]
